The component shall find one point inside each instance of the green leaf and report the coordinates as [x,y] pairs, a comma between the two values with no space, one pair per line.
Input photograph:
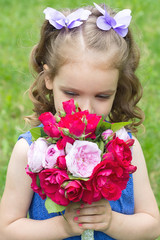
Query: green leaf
[53,207]
[43,134]
[99,125]
[102,126]
[101,145]
[77,178]
[116,126]
[36,133]
[37,181]
[105,125]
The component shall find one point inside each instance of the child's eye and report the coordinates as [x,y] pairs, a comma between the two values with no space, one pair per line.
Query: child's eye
[69,93]
[103,96]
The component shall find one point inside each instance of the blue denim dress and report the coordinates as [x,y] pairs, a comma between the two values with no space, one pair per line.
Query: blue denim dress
[124,205]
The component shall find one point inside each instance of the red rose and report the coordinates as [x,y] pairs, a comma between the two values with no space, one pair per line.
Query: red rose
[74,123]
[111,191]
[50,125]
[121,151]
[47,118]
[74,191]
[69,106]
[109,179]
[90,194]
[51,181]
[120,175]
[35,180]
[62,141]
[101,174]
[80,121]
[92,122]
[61,162]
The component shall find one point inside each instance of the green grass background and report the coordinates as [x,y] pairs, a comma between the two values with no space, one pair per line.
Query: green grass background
[20,23]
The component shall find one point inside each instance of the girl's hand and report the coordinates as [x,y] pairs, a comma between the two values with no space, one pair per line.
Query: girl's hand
[70,216]
[96,216]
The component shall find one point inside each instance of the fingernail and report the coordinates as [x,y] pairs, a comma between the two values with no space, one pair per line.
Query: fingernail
[82,205]
[76,219]
[80,224]
[78,211]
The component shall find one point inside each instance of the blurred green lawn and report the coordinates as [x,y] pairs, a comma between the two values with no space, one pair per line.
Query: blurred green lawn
[19,31]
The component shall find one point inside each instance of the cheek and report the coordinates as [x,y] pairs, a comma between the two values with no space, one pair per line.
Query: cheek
[59,98]
[105,108]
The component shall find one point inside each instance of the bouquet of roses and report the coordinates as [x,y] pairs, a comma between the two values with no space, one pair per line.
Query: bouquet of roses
[77,156]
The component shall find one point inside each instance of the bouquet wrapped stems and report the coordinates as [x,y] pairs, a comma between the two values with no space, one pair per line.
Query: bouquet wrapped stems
[88,235]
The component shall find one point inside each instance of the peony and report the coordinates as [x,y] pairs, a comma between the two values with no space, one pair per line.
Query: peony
[82,157]
[52,153]
[36,154]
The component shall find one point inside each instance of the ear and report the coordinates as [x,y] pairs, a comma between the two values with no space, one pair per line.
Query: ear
[48,81]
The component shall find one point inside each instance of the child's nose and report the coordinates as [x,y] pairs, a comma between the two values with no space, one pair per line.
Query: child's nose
[87,105]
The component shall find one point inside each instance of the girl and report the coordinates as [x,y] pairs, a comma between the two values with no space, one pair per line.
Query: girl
[89,55]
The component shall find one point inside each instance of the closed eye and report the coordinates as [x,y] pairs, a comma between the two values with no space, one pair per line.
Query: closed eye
[103,96]
[70,93]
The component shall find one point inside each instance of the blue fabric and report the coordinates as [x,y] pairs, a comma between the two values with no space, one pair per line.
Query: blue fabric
[124,205]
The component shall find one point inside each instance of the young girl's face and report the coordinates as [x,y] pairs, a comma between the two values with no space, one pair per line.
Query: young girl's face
[91,86]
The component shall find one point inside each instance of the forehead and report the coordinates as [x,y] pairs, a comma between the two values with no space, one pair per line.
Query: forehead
[80,53]
[87,75]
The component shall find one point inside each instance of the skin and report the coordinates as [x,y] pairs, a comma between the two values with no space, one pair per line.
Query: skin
[94,88]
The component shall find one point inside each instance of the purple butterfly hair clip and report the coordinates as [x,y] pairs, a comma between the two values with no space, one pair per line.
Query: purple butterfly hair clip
[119,22]
[58,20]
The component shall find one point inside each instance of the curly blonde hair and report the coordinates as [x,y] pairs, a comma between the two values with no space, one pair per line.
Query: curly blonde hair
[53,48]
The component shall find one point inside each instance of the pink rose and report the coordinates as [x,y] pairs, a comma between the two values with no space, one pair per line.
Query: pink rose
[74,191]
[36,154]
[106,134]
[52,153]
[82,157]
[50,125]
[51,181]
[122,134]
